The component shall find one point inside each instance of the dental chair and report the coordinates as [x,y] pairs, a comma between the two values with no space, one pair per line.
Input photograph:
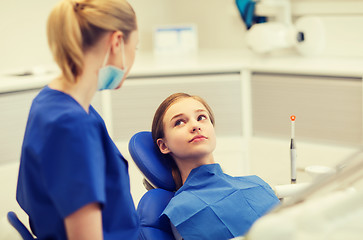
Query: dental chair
[19,226]
[159,183]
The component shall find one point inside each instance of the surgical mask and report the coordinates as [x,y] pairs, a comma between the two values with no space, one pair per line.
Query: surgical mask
[110,77]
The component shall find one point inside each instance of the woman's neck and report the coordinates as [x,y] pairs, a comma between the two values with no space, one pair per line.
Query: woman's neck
[187,165]
[85,86]
[83,95]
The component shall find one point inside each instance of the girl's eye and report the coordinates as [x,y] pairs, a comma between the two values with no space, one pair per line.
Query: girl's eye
[201,117]
[178,122]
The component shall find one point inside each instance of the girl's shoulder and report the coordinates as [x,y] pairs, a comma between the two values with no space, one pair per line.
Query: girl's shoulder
[251,178]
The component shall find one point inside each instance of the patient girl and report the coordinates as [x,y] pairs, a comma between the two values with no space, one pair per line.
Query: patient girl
[208,204]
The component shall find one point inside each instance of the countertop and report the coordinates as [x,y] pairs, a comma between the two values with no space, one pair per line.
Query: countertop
[204,62]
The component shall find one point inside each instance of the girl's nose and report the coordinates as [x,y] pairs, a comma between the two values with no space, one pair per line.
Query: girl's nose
[196,129]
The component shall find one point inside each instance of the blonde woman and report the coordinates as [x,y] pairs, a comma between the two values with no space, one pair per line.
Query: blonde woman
[73,182]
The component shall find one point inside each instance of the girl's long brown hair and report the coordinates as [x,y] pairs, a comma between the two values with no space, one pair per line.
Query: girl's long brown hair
[157,128]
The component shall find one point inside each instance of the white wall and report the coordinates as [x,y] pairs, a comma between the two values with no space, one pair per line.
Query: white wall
[219,23]
[23,26]
[23,40]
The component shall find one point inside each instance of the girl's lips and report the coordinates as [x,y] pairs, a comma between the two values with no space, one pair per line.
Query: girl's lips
[198,138]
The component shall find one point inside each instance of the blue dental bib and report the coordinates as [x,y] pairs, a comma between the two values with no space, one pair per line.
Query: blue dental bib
[214,205]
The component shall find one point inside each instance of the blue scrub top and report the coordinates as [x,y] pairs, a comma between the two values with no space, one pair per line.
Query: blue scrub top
[213,205]
[68,160]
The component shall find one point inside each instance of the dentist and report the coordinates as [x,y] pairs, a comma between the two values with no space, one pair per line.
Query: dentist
[73,181]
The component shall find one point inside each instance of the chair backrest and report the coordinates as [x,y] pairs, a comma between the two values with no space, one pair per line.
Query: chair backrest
[149,209]
[19,226]
[152,164]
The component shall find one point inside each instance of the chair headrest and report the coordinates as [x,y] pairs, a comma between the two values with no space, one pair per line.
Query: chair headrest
[151,161]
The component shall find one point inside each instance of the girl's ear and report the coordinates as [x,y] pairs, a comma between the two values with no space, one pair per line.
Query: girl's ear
[162,146]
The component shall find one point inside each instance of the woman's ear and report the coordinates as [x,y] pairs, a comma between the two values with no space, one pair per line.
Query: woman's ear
[116,41]
[162,146]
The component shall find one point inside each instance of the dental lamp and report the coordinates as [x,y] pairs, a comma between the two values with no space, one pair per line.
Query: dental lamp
[306,35]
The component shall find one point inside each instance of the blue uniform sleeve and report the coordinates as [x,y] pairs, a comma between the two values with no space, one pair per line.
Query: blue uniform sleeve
[73,163]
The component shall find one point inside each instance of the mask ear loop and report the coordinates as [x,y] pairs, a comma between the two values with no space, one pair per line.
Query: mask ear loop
[123,53]
[106,57]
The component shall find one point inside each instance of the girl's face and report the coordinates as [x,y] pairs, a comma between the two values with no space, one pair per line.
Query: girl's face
[188,131]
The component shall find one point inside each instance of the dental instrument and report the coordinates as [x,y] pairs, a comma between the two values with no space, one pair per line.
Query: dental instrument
[293,150]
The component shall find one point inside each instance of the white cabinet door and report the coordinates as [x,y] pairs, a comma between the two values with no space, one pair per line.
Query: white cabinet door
[134,105]
[14,109]
[327,109]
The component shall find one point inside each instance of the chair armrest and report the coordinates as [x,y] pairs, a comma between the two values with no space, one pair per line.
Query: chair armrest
[288,190]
